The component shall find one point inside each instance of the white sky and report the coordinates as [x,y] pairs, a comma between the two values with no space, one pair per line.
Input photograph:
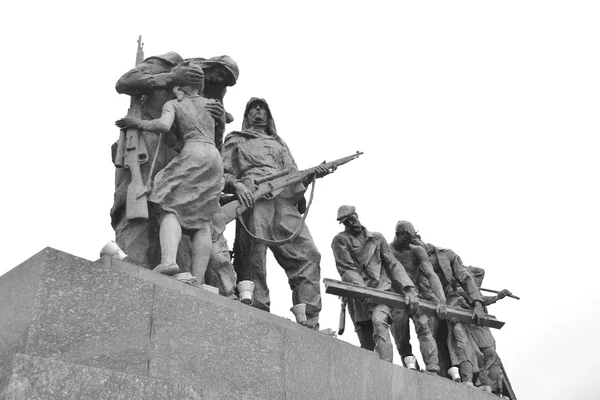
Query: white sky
[479,123]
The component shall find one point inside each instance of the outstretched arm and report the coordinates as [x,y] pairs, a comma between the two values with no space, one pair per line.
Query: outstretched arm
[399,276]
[487,300]
[159,125]
[468,284]
[434,281]
[154,74]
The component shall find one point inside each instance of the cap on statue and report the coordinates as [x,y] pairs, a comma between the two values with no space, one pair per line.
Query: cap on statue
[344,212]
[406,227]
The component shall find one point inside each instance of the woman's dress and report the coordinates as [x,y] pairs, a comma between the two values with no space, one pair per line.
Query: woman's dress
[191,184]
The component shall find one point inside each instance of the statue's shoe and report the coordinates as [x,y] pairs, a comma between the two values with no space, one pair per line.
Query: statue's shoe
[167,269]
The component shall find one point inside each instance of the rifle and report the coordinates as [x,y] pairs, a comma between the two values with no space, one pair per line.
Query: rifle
[270,186]
[131,152]
[396,300]
[342,321]
[498,291]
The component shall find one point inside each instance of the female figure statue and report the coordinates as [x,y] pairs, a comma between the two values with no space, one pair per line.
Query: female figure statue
[186,191]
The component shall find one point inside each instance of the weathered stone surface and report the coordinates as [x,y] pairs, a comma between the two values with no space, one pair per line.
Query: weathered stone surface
[433,388]
[307,365]
[18,289]
[36,378]
[228,357]
[348,379]
[405,384]
[108,329]
[90,315]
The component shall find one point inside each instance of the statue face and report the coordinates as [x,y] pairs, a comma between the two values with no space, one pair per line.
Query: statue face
[403,238]
[258,111]
[214,75]
[353,224]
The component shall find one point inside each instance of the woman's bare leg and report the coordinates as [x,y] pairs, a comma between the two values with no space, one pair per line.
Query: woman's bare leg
[170,236]
[201,249]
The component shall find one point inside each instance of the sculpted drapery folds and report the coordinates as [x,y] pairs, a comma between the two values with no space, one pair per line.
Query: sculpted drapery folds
[417,266]
[364,258]
[491,371]
[453,275]
[255,152]
[153,79]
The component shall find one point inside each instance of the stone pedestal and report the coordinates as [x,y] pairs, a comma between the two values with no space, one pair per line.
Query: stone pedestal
[76,329]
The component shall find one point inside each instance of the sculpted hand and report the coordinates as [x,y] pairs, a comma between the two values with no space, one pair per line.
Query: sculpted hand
[441,311]
[216,109]
[367,301]
[244,195]
[127,123]
[503,294]
[184,75]
[411,300]
[478,313]
[321,172]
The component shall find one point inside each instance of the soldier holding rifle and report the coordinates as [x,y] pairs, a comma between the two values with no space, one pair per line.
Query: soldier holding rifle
[253,153]
[151,81]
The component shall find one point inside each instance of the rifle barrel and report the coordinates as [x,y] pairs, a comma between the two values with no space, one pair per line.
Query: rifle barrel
[498,291]
[271,177]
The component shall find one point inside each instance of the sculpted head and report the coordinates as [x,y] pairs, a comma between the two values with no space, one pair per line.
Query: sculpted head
[405,233]
[258,116]
[258,112]
[216,74]
[347,215]
[181,91]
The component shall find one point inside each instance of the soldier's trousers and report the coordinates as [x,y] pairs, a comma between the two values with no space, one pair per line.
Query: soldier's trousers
[427,343]
[490,366]
[461,345]
[276,219]
[374,335]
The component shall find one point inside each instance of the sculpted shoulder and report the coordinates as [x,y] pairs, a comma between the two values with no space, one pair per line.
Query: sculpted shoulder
[418,250]
[340,239]
[234,137]
[378,236]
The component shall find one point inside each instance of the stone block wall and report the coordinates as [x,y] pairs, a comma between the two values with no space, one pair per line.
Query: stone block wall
[72,328]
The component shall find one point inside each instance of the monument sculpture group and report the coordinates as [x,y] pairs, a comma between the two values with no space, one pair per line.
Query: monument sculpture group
[180,180]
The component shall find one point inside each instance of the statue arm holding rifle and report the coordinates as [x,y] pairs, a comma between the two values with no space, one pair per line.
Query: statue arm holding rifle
[270,185]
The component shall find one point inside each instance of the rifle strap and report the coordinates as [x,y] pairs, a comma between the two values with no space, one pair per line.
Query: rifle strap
[275,243]
[149,181]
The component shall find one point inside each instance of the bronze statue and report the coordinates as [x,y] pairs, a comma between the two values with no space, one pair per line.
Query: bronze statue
[416,264]
[257,151]
[364,258]
[491,371]
[452,274]
[153,79]
[186,191]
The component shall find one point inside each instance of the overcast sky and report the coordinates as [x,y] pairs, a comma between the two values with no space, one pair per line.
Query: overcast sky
[478,120]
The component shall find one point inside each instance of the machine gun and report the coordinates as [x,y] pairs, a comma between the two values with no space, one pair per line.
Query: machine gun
[131,153]
[270,186]
[396,300]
